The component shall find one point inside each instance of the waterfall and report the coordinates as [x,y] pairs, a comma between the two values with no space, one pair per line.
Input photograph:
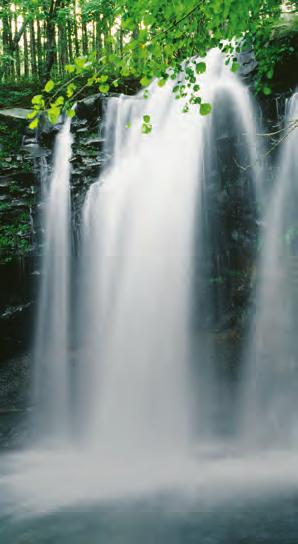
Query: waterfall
[271,373]
[140,235]
[140,400]
[51,377]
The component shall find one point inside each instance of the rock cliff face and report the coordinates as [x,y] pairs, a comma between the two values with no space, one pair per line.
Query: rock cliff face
[18,182]
[23,174]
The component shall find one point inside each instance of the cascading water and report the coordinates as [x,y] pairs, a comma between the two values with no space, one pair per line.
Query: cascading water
[51,379]
[139,232]
[271,378]
[143,386]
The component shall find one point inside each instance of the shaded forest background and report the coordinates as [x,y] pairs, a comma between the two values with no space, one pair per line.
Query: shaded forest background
[40,38]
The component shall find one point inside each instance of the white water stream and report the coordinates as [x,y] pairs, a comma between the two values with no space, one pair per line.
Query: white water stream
[143,412]
[51,360]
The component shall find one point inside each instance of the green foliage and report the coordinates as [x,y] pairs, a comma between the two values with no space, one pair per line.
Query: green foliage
[14,238]
[84,46]
[274,42]
[10,138]
[17,94]
[152,39]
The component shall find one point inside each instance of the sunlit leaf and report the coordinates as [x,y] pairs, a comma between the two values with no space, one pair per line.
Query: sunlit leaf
[205,108]
[201,67]
[34,123]
[49,86]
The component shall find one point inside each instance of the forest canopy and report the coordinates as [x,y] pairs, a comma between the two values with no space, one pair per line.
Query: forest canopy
[72,48]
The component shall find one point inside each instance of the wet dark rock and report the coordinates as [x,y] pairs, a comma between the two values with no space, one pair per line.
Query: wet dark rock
[248,64]
[90,108]
[14,311]
[17,306]
[15,376]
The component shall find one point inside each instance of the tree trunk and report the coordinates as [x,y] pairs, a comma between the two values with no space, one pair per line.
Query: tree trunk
[84,38]
[69,41]
[75,28]
[26,55]
[62,48]
[33,50]
[5,42]
[39,49]
[93,36]
[50,38]
[98,39]
[11,59]
[17,48]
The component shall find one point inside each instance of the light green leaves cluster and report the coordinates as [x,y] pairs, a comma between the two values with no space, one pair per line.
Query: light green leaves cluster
[104,87]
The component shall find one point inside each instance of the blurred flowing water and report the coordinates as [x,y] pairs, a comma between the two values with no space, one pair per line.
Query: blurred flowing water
[141,247]
[51,362]
[270,385]
[133,421]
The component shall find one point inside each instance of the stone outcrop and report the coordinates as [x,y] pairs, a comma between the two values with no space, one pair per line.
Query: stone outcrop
[22,175]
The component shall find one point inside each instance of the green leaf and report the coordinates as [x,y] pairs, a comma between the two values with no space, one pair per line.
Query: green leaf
[145,81]
[34,123]
[70,113]
[266,90]
[80,63]
[32,114]
[235,67]
[70,89]
[91,81]
[146,129]
[195,100]
[146,118]
[162,82]
[54,114]
[104,88]
[59,101]
[70,68]
[114,59]
[103,78]
[201,67]
[49,86]
[205,108]
[38,100]
[148,19]
[125,71]
[270,73]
